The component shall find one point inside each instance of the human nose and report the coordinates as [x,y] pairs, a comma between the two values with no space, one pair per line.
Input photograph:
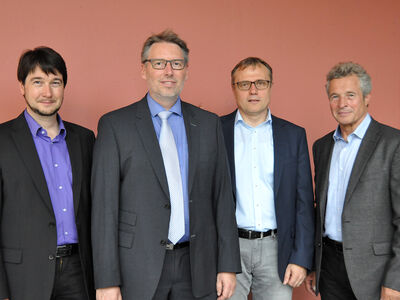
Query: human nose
[168,68]
[253,89]
[342,102]
[46,91]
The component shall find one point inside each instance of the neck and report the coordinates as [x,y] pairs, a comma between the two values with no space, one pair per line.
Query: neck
[47,122]
[166,102]
[254,120]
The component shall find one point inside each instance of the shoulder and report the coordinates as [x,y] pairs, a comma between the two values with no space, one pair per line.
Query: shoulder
[386,131]
[198,112]
[16,123]
[324,140]
[78,129]
[229,117]
[276,121]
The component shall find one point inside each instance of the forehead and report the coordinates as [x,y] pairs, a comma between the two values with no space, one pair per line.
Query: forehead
[252,72]
[166,51]
[348,83]
[38,72]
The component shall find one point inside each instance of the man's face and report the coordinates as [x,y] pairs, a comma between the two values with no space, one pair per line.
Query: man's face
[43,93]
[253,103]
[164,85]
[348,106]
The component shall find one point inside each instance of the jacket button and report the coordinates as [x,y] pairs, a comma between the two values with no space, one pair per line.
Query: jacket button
[319,245]
[51,257]
[167,206]
[163,243]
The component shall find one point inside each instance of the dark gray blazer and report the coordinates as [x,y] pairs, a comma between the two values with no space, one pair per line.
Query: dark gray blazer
[293,193]
[131,206]
[371,213]
[28,232]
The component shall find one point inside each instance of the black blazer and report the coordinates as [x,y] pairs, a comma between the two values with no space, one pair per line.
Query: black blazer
[28,232]
[131,207]
[293,191]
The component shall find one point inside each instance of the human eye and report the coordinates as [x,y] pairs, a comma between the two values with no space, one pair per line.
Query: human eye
[351,95]
[333,97]
[178,63]
[262,84]
[157,63]
[244,84]
[56,83]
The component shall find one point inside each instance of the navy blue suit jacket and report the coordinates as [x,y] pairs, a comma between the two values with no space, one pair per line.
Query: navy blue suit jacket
[293,190]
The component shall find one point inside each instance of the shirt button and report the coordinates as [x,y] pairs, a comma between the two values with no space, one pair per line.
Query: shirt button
[43,132]
[64,209]
[55,165]
[60,187]
[66,233]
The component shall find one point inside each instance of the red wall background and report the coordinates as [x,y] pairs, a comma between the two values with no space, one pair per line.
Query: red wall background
[302,40]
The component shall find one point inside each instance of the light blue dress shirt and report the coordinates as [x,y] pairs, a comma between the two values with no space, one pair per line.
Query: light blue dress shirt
[342,161]
[254,171]
[178,129]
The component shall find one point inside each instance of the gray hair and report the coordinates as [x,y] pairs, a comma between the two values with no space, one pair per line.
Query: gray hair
[345,69]
[167,36]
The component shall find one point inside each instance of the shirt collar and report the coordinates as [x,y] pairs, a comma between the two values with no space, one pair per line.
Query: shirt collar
[156,108]
[35,127]
[359,132]
[239,119]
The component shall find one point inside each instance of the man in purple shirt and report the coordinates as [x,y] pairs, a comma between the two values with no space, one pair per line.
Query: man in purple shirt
[45,166]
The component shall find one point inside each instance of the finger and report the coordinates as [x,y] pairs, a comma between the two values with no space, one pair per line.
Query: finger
[287,276]
[219,287]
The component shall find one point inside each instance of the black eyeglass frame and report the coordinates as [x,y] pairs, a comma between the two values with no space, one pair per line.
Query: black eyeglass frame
[165,61]
[269,83]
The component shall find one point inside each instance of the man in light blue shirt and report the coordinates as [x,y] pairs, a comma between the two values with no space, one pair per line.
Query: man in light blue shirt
[271,180]
[357,192]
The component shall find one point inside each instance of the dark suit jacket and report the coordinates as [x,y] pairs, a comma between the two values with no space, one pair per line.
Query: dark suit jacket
[293,191]
[371,212]
[28,232]
[131,206]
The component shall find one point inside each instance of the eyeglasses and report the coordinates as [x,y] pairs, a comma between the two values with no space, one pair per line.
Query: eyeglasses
[160,64]
[259,84]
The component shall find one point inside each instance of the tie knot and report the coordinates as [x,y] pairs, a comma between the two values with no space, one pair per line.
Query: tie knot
[164,115]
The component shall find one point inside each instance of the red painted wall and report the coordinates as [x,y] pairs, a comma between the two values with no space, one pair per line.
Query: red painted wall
[302,40]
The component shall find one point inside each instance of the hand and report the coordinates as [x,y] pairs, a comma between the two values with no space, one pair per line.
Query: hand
[389,294]
[310,284]
[294,275]
[226,283]
[110,293]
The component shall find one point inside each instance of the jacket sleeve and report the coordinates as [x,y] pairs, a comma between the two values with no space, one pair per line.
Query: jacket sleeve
[303,249]
[228,241]
[392,276]
[105,207]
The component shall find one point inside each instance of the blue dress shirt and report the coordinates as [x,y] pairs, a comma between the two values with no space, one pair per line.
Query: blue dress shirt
[177,124]
[56,165]
[254,171]
[343,156]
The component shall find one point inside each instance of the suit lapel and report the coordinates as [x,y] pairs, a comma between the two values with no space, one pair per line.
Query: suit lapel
[75,156]
[367,147]
[27,150]
[193,139]
[145,128]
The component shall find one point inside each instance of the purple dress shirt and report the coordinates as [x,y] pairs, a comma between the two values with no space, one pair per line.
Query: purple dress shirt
[56,165]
